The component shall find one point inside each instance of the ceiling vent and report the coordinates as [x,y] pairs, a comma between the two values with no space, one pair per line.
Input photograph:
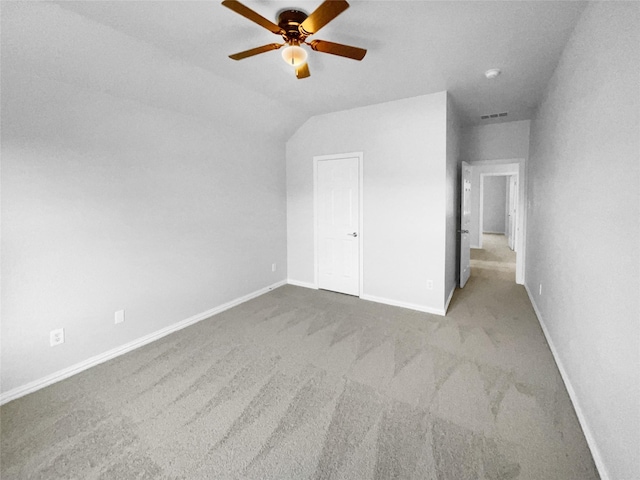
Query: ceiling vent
[494,115]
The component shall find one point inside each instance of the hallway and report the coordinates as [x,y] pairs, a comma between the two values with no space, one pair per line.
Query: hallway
[494,259]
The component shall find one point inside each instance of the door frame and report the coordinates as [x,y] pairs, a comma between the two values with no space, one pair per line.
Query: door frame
[316,263]
[481,212]
[512,220]
[506,166]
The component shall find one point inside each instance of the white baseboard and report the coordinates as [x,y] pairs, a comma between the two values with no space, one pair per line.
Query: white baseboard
[302,284]
[116,352]
[591,441]
[446,305]
[396,303]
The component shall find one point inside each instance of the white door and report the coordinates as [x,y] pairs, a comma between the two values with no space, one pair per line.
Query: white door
[465,224]
[337,197]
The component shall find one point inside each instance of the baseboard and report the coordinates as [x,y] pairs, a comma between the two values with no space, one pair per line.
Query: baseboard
[116,352]
[446,305]
[591,441]
[302,284]
[396,303]
[475,246]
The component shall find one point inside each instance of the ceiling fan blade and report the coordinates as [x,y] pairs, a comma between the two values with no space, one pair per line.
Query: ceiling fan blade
[255,51]
[253,16]
[322,15]
[303,71]
[338,49]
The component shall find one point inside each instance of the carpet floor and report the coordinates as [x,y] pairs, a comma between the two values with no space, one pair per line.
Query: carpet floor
[304,384]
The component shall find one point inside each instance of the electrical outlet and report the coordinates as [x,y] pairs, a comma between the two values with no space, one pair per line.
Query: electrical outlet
[56,337]
[119,317]
[540,290]
[273,267]
[429,284]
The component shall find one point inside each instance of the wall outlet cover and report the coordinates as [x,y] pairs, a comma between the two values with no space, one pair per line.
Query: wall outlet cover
[119,316]
[56,337]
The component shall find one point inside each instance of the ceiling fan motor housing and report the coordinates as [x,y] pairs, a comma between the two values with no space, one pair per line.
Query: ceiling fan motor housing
[289,21]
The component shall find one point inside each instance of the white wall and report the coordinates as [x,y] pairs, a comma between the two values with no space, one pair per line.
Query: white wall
[584,226]
[404,146]
[486,143]
[495,141]
[494,204]
[109,203]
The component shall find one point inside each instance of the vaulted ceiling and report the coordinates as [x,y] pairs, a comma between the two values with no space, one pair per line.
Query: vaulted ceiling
[174,54]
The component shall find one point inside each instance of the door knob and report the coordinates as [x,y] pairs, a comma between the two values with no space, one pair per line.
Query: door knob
[354,234]
[463,231]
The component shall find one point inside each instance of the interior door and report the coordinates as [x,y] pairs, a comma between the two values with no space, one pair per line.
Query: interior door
[465,224]
[337,196]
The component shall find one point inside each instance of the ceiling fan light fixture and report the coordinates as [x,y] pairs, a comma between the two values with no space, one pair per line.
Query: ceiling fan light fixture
[294,55]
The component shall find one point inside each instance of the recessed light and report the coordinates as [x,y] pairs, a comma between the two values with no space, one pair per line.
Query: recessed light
[492,73]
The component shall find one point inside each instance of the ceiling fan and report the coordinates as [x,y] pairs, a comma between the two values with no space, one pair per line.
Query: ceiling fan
[295,27]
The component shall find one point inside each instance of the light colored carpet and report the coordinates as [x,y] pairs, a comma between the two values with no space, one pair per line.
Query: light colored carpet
[301,384]
[495,247]
[495,259]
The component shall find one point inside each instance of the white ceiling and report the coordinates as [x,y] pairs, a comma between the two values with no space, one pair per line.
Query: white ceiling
[414,48]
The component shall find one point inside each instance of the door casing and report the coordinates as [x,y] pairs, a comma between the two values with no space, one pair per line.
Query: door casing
[507,199]
[512,210]
[510,167]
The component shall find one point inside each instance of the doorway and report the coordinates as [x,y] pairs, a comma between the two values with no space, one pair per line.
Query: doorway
[497,253]
[514,169]
[338,222]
